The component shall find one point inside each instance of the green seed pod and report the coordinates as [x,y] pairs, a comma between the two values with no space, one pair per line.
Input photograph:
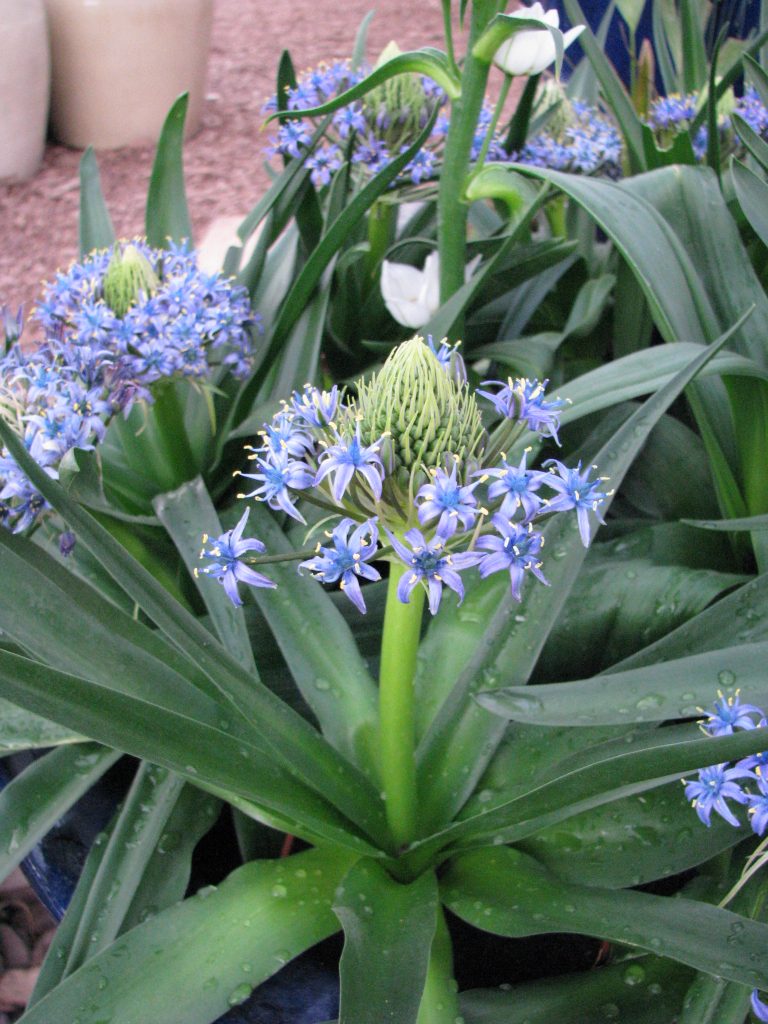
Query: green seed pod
[423,413]
[128,275]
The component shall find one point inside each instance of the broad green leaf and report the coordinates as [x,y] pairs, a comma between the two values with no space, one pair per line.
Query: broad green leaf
[589,305]
[644,990]
[95,227]
[167,217]
[187,514]
[632,841]
[449,763]
[204,755]
[667,44]
[653,693]
[137,829]
[198,959]
[599,775]
[34,801]
[507,893]
[21,730]
[752,194]
[612,87]
[388,931]
[293,742]
[713,1000]
[627,602]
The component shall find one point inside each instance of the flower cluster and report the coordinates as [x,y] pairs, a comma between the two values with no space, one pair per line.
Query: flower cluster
[672,115]
[113,325]
[584,141]
[405,463]
[369,132]
[719,783]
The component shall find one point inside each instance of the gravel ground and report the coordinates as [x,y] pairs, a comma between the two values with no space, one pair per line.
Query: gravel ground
[224,160]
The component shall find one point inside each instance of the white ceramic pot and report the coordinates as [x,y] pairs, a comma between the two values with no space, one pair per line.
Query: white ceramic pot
[118,65]
[24,87]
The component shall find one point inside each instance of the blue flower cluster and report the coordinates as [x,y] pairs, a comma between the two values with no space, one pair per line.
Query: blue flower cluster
[589,143]
[719,783]
[433,521]
[672,115]
[94,363]
[369,132]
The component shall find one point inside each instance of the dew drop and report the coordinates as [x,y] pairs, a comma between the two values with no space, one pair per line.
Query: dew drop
[322,684]
[726,678]
[650,702]
[634,975]
[239,994]
[279,891]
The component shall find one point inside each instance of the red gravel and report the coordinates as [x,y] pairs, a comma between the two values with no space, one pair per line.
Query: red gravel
[224,161]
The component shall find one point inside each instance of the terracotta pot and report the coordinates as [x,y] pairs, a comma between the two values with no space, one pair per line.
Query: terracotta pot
[24,87]
[118,65]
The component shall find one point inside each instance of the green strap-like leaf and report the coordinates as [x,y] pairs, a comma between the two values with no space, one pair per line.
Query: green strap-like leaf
[752,194]
[644,990]
[653,693]
[21,730]
[388,931]
[505,892]
[34,801]
[95,228]
[167,217]
[198,959]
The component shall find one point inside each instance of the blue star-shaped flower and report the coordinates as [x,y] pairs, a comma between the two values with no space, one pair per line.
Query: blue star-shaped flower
[518,485]
[432,565]
[449,500]
[278,476]
[344,459]
[576,490]
[346,560]
[759,1008]
[517,549]
[524,400]
[758,805]
[729,714]
[714,786]
[228,566]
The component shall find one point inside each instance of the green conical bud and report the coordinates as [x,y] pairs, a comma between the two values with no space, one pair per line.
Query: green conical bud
[422,411]
[398,109]
[128,275]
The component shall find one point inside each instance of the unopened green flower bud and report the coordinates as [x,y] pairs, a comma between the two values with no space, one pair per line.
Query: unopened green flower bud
[129,275]
[420,409]
[398,109]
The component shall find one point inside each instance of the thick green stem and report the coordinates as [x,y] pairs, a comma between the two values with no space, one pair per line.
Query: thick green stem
[170,435]
[399,646]
[381,230]
[452,212]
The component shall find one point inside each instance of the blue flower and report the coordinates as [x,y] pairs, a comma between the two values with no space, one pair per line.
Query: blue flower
[347,457]
[346,560]
[715,785]
[283,434]
[228,566]
[315,408]
[323,163]
[758,805]
[431,565]
[576,490]
[291,135]
[517,549]
[730,714]
[279,475]
[518,484]
[448,355]
[759,1008]
[447,498]
[757,761]
[524,400]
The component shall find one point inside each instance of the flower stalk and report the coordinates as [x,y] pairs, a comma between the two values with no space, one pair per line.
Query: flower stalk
[399,646]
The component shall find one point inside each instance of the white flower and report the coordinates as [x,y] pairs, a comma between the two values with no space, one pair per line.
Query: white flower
[412,296]
[530,52]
